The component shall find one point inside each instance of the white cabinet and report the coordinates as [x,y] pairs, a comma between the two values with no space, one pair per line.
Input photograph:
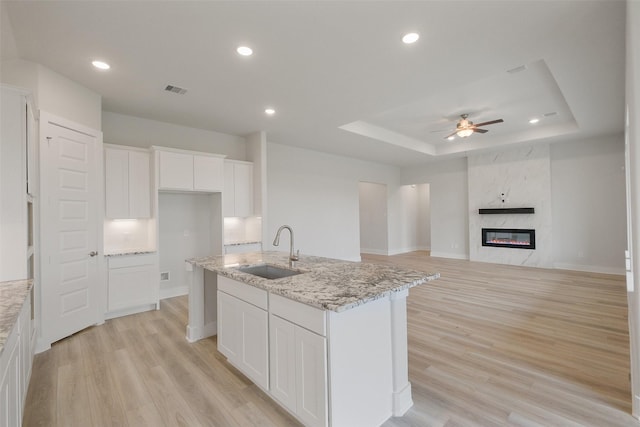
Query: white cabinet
[208,173]
[190,171]
[15,369]
[132,284]
[243,329]
[298,359]
[238,188]
[127,183]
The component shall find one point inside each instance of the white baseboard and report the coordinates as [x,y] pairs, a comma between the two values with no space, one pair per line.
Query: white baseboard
[394,251]
[449,255]
[128,311]
[589,268]
[174,292]
[373,251]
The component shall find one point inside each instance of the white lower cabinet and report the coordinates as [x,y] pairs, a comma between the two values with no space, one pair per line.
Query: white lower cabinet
[132,284]
[324,367]
[298,362]
[15,369]
[243,329]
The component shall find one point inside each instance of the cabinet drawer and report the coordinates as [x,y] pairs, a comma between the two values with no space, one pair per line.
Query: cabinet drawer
[131,260]
[308,317]
[248,293]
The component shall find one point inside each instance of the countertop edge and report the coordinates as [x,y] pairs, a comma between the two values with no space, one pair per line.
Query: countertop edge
[219,264]
[13,294]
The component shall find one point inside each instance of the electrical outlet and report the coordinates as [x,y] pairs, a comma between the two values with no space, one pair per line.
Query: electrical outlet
[164,276]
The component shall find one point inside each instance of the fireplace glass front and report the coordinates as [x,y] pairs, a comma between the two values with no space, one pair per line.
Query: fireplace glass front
[509,238]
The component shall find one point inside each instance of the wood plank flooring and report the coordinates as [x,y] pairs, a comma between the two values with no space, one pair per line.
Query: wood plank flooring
[489,345]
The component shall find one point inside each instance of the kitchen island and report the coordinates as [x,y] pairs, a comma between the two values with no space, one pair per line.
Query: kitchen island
[328,343]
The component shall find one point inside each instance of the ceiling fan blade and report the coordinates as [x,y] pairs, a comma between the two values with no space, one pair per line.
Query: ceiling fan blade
[450,135]
[481,130]
[489,123]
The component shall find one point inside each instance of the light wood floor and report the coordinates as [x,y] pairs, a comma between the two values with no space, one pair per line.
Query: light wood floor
[489,345]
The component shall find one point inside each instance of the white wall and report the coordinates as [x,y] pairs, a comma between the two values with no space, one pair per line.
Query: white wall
[588,204]
[372,200]
[423,228]
[317,194]
[449,205]
[138,132]
[54,93]
[185,227]
[632,151]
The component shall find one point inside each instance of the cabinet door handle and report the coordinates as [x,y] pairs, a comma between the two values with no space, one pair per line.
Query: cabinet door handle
[93,253]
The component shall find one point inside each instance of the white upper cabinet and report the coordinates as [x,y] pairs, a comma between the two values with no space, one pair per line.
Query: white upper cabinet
[190,171]
[238,188]
[176,171]
[127,183]
[208,174]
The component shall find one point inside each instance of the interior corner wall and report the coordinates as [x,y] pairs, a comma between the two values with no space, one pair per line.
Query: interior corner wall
[55,93]
[423,228]
[406,233]
[317,194]
[133,131]
[373,218]
[256,148]
[65,98]
[184,230]
[588,204]
[632,152]
[449,226]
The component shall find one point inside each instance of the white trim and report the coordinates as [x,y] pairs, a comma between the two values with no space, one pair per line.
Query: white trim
[128,311]
[409,249]
[449,255]
[589,268]
[174,291]
[373,251]
[155,148]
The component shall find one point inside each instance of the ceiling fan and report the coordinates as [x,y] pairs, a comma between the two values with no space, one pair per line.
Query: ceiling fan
[466,127]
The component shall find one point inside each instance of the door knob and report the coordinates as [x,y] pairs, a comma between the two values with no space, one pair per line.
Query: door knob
[93,253]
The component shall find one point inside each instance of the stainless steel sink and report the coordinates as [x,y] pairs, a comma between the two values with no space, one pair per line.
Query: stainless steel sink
[267,271]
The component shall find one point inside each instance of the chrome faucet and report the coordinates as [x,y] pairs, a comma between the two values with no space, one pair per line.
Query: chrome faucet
[276,242]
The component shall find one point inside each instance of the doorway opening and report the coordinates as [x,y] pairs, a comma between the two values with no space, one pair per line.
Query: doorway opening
[409,229]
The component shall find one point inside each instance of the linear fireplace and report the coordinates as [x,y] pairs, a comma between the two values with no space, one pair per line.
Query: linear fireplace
[509,238]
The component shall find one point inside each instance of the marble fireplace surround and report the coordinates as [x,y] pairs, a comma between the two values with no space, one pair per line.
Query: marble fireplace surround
[511,179]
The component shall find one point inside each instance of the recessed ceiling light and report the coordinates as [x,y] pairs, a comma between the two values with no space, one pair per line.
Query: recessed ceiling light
[451,138]
[410,38]
[534,121]
[101,65]
[269,111]
[244,50]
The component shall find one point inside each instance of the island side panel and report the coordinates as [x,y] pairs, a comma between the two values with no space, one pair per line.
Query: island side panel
[360,364]
[195,278]
[402,399]
[210,304]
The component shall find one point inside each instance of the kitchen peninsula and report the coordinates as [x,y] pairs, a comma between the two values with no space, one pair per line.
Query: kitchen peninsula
[328,342]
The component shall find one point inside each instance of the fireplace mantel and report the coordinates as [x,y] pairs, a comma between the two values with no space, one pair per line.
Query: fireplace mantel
[506,211]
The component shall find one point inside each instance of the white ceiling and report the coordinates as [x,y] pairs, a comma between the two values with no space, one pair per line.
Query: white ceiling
[337,72]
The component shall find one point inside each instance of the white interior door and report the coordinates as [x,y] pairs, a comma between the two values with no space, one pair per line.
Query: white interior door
[70,213]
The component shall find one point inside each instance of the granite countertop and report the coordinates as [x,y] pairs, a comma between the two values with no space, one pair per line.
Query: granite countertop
[12,297]
[126,252]
[326,283]
[247,242]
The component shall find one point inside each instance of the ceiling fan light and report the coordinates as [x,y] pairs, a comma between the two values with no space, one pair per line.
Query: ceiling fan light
[463,133]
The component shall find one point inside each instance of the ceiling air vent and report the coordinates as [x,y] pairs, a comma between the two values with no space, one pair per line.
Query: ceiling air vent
[175,89]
